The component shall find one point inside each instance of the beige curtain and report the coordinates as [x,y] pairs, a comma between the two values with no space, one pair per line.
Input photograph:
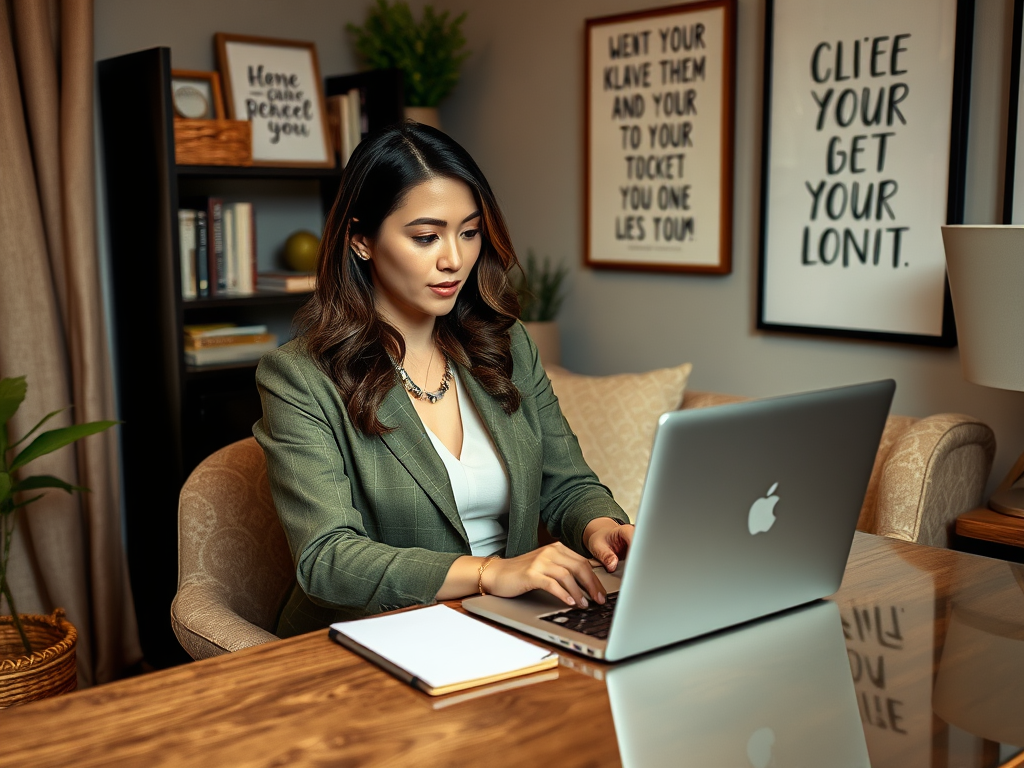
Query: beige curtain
[69,551]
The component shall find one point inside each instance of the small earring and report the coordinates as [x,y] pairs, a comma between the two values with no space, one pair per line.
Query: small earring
[362,256]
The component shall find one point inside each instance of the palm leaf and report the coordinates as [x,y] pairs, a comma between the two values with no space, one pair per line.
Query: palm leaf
[43,481]
[25,503]
[32,431]
[58,438]
[12,393]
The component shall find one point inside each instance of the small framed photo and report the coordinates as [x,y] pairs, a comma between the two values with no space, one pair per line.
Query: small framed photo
[196,95]
[659,138]
[275,84]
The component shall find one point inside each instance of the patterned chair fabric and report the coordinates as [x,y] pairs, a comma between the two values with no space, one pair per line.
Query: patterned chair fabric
[234,567]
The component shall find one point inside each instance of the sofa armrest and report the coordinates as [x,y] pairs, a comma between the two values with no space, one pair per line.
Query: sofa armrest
[936,470]
[207,627]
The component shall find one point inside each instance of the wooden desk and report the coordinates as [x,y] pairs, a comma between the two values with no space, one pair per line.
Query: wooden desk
[307,701]
[988,525]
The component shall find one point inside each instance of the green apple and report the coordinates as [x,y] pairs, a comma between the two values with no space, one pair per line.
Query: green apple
[300,251]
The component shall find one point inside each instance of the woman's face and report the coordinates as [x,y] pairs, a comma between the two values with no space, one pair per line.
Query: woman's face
[424,251]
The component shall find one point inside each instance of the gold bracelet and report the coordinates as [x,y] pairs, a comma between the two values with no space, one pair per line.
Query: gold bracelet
[483,565]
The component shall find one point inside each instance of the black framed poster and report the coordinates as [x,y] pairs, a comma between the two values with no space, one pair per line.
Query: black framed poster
[1013,191]
[659,138]
[864,155]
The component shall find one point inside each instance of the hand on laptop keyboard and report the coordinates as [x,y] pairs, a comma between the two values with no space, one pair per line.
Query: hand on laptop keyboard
[554,568]
[608,541]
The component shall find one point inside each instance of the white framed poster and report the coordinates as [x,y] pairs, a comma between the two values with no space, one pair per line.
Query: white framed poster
[659,138]
[275,84]
[864,156]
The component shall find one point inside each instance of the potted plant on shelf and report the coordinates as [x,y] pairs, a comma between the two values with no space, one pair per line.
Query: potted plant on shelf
[429,52]
[37,653]
[539,285]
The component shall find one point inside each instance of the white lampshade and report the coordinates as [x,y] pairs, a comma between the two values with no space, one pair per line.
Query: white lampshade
[985,265]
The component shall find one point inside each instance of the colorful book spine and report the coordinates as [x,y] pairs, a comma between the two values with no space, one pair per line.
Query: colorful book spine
[187,252]
[218,268]
[202,264]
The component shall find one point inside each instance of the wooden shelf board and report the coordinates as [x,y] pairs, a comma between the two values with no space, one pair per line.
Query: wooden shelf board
[258,299]
[196,371]
[256,172]
[988,525]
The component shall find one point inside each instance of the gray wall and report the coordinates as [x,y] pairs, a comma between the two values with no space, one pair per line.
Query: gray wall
[519,110]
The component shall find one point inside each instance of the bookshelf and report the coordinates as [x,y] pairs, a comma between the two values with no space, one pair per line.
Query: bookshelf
[175,415]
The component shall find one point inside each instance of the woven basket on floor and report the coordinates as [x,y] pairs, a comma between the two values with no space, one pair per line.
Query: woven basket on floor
[49,671]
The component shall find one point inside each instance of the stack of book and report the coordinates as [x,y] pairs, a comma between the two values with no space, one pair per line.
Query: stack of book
[225,343]
[217,248]
[348,122]
[287,282]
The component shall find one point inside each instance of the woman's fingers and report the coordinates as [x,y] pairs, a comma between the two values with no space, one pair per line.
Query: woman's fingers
[579,572]
[549,584]
[611,545]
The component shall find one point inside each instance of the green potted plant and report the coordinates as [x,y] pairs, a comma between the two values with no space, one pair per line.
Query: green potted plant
[539,284]
[37,653]
[430,52]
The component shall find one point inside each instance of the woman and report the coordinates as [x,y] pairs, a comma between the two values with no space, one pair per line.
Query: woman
[392,495]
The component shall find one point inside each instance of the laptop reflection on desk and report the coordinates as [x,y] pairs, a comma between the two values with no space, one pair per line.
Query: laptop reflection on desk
[774,693]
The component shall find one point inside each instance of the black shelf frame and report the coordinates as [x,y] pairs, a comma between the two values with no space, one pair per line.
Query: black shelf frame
[175,415]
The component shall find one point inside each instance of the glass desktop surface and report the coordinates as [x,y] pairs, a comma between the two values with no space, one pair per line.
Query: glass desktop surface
[912,664]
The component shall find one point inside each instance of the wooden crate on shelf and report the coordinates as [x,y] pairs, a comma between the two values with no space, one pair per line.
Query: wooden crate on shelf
[212,142]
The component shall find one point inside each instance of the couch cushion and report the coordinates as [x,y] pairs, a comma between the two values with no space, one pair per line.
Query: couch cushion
[614,418]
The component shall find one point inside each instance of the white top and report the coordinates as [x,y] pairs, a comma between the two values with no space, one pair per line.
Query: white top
[481,487]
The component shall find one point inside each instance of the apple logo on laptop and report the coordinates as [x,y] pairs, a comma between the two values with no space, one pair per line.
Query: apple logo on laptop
[759,747]
[762,512]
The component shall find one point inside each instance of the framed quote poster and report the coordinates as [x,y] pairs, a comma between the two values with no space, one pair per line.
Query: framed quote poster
[1013,191]
[275,84]
[864,155]
[659,138]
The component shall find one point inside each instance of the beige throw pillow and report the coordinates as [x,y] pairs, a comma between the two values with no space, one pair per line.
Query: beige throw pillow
[614,418]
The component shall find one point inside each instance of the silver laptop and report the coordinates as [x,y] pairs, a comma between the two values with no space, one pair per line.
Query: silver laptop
[747,509]
[776,692]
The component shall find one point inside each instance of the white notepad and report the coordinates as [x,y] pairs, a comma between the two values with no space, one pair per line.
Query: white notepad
[440,650]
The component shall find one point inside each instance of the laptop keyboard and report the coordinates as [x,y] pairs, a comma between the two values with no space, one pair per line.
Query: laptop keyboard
[594,620]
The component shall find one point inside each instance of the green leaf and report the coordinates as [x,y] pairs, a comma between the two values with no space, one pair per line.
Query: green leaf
[12,393]
[5,485]
[43,481]
[58,438]
[430,52]
[42,421]
[26,502]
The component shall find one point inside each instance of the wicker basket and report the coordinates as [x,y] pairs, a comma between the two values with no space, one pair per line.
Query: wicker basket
[49,671]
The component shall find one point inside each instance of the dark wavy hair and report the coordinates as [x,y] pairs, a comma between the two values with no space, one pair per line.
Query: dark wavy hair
[340,325]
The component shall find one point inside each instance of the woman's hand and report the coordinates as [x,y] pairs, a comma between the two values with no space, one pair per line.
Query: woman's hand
[554,568]
[608,541]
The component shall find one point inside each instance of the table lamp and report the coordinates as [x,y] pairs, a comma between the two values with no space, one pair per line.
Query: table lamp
[985,264]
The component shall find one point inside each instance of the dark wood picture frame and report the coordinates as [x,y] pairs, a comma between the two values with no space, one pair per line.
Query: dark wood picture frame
[953,195]
[221,41]
[602,191]
[216,97]
[1014,175]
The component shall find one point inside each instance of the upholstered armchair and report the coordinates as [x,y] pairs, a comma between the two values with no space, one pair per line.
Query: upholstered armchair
[927,471]
[235,568]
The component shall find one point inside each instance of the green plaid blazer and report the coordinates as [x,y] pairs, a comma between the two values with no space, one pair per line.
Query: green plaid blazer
[371,520]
